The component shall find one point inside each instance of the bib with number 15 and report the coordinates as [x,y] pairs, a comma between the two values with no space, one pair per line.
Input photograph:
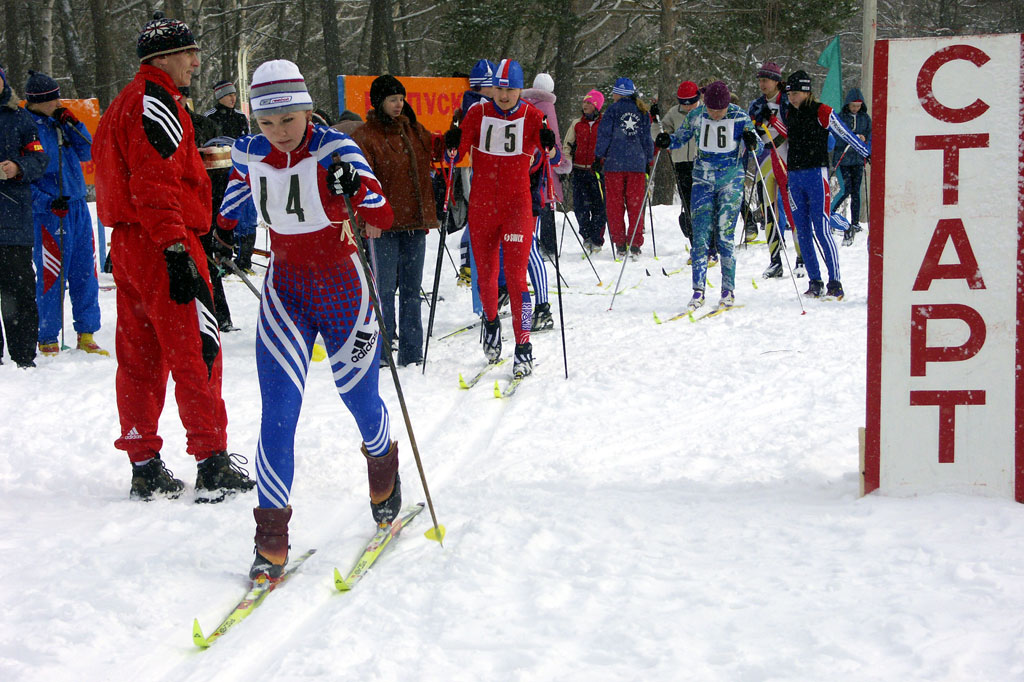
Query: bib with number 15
[500,136]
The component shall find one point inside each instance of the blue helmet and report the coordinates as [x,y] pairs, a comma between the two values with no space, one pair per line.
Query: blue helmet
[481,73]
[509,74]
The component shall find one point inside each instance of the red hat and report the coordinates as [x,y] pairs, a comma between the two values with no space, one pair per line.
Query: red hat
[688,93]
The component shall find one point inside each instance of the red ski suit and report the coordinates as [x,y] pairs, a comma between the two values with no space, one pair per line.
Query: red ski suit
[152,189]
[503,145]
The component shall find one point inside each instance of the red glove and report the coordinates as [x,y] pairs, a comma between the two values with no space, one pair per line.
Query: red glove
[59,207]
[65,116]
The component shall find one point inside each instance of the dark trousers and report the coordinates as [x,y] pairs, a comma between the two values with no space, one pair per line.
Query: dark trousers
[852,177]
[588,205]
[684,183]
[245,243]
[220,301]
[548,241]
[398,266]
[18,303]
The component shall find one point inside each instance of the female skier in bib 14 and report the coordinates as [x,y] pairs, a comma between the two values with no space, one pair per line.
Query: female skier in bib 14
[295,173]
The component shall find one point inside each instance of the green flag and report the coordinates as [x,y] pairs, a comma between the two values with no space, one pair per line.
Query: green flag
[832,89]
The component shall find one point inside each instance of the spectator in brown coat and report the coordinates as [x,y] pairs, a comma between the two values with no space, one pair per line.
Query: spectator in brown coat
[400,151]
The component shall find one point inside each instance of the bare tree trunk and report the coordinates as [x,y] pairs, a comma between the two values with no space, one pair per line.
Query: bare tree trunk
[73,55]
[332,48]
[564,64]
[13,61]
[45,63]
[104,54]
[665,179]
[382,40]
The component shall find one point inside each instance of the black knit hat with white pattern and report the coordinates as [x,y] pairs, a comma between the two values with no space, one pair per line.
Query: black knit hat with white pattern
[164,36]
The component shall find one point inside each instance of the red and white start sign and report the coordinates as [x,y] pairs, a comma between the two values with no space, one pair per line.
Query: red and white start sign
[945,388]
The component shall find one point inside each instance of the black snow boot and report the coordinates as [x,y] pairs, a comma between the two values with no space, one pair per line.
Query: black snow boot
[220,476]
[522,365]
[542,317]
[490,337]
[153,478]
[814,288]
[835,289]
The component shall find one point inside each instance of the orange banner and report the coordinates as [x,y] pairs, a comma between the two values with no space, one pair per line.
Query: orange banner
[88,112]
[435,100]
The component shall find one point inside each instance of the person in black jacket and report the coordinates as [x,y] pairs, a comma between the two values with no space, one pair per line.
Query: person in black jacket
[230,122]
[855,115]
[22,160]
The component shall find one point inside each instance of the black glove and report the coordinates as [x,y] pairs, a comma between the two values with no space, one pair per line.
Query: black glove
[547,138]
[655,110]
[65,116]
[343,178]
[750,138]
[663,140]
[597,165]
[184,276]
[59,207]
[452,138]
[222,244]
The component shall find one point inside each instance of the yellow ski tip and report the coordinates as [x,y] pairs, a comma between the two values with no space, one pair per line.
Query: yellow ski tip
[319,352]
[462,382]
[198,638]
[435,534]
[340,583]
[497,389]
[689,314]
[657,320]
[754,282]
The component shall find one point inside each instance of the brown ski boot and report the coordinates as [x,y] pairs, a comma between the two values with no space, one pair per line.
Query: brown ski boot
[271,542]
[385,485]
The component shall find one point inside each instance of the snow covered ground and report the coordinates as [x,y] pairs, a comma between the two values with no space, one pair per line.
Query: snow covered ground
[684,507]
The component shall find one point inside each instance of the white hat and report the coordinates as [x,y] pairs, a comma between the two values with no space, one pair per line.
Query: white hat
[543,81]
[277,88]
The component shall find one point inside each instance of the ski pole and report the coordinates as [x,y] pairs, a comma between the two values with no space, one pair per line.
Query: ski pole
[449,181]
[558,275]
[438,531]
[782,243]
[575,233]
[654,167]
[650,207]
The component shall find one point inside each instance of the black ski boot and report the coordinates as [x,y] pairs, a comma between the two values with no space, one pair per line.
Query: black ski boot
[814,288]
[542,317]
[522,365]
[490,337]
[835,289]
[153,478]
[220,475]
[385,484]
[774,270]
[271,542]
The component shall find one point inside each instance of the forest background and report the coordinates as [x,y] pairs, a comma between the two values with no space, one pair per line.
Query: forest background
[89,45]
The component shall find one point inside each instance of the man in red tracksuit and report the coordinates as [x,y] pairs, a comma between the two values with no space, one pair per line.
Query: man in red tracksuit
[504,136]
[152,189]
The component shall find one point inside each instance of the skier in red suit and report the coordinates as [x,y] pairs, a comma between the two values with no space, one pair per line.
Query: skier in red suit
[505,136]
[152,189]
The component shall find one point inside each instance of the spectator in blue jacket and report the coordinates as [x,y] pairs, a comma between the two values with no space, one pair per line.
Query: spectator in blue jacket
[624,153]
[22,160]
[854,115]
[64,247]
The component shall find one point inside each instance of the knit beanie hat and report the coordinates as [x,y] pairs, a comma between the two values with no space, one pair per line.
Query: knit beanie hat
[383,87]
[688,93]
[223,89]
[481,73]
[163,36]
[624,87]
[716,96]
[508,74]
[798,81]
[41,88]
[278,88]
[596,98]
[544,81]
[770,70]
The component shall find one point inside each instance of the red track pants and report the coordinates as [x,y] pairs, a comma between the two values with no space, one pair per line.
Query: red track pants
[624,191]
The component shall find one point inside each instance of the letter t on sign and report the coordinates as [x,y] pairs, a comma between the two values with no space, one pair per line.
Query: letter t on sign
[947,402]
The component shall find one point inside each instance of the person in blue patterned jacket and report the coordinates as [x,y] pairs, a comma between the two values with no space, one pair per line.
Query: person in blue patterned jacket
[724,134]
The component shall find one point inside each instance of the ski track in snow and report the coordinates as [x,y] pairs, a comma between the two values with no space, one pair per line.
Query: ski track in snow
[685,507]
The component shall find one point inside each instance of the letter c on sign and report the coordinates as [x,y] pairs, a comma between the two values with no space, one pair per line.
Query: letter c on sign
[927,73]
